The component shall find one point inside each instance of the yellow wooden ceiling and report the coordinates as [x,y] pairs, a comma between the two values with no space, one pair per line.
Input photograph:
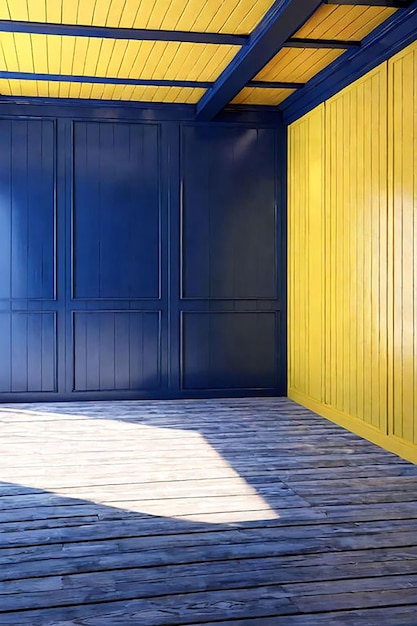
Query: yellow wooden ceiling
[53,89]
[350,23]
[216,16]
[91,56]
[66,56]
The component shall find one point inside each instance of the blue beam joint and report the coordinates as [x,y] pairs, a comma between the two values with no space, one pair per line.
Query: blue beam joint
[283,19]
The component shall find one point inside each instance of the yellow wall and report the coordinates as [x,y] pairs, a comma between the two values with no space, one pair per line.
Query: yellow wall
[353,257]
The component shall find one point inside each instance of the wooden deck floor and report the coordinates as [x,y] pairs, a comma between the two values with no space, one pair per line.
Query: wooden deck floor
[232,512]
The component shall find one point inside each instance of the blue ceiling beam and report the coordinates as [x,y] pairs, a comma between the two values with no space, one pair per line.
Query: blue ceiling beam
[106,32]
[142,82]
[334,44]
[393,4]
[66,78]
[393,35]
[265,84]
[283,19]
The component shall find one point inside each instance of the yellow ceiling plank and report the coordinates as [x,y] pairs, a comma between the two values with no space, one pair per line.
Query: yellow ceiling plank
[229,13]
[4,11]
[319,23]
[18,10]
[85,91]
[128,13]
[25,53]
[67,55]
[145,11]
[75,90]
[53,89]
[86,12]
[54,50]
[9,52]
[362,23]
[80,55]
[257,96]
[182,63]
[107,92]
[235,16]
[5,89]
[2,56]
[343,22]
[175,10]
[102,11]
[36,10]
[99,92]
[156,54]
[105,57]
[53,11]
[69,10]
[189,19]
[93,56]
[218,62]
[15,87]
[64,90]
[246,18]
[118,52]
[207,14]
[297,64]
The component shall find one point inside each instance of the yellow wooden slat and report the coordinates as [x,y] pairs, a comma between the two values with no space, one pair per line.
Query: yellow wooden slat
[343,22]
[234,16]
[54,54]
[4,10]
[338,257]
[306,254]
[53,11]
[17,10]
[108,57]
[255,95]
[97,91]
[297,64]
[403,203]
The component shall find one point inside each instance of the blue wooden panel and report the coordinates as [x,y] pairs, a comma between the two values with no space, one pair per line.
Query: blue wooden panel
[235,350]
[27,209]
[116,350]
[28,352]
[116,211]
[228,213]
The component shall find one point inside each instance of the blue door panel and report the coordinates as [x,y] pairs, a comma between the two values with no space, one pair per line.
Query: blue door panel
[238,350]
[27,220]
[28,352]
[116,211]
[116,351]
[229,213]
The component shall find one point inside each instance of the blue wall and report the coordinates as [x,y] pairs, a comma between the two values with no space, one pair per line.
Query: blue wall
[140,257]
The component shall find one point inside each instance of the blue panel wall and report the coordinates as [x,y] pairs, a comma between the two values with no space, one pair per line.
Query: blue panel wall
[116,350]
[228,209]
[140,257]
[28,306]
[116,210]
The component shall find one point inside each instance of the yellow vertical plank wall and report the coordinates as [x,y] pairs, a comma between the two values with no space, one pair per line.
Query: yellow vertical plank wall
[402,73]
[352,319]
[306,270]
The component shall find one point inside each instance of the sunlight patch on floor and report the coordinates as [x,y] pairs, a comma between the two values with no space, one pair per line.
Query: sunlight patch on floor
[155,471]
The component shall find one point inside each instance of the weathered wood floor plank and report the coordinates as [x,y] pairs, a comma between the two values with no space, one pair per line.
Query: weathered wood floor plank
[248,511]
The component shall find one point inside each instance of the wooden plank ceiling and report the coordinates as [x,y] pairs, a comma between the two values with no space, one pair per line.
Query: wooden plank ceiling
[169,52]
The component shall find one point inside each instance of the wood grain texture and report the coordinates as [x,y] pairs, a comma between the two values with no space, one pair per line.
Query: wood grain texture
[249,511]
[233,16]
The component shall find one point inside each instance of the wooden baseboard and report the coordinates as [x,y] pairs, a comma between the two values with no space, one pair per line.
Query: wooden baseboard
[391,443]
